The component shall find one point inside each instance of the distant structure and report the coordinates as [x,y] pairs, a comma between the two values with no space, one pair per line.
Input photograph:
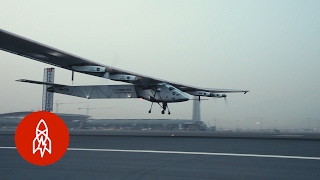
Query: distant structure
[78,121]
[196,111]
[47,97]
[144,124]
[11,120]
[196,115]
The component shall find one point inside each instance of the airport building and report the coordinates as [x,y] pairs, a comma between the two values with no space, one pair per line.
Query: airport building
[78,121]
[144,124]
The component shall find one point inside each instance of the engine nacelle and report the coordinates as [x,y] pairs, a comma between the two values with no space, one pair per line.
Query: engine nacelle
[199,93]
[89,68]
[123,77]
[216,95]
[207,94]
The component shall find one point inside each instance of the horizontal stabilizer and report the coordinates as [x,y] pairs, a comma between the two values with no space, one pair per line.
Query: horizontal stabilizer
[90,92]
[38,82]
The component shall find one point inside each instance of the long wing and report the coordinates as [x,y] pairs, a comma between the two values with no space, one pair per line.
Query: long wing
[28,48]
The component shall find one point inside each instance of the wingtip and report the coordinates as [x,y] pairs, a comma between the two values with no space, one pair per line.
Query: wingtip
[21,80]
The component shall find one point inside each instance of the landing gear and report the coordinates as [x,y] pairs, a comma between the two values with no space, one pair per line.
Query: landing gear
[164,108]
[153,99]
[150,107]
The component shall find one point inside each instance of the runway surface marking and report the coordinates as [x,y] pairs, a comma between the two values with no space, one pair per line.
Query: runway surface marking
[189,153]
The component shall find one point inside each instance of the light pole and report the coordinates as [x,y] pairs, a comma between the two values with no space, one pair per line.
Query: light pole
[261,124]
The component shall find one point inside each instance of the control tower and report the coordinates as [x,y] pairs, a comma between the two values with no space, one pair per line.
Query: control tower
[196,116]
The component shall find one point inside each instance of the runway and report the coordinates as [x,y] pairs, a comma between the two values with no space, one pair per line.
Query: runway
[170,157]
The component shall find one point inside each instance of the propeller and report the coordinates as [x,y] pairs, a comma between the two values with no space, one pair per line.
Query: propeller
[225,99]
[224,96]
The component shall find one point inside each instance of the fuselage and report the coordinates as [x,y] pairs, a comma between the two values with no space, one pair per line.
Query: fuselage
[162,93]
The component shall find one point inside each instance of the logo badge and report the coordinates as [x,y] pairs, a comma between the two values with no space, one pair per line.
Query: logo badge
[42,141]
[42,138]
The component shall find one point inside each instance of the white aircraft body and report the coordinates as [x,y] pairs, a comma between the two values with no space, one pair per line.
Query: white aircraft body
[139,86]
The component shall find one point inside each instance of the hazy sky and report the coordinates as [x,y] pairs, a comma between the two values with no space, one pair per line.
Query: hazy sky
[271,48]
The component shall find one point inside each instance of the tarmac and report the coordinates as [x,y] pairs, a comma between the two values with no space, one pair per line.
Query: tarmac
[171,155]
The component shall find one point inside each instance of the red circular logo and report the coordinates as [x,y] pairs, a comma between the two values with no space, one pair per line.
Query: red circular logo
[42,138]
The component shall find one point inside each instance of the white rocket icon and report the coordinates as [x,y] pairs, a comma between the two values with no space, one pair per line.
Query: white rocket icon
[42,141]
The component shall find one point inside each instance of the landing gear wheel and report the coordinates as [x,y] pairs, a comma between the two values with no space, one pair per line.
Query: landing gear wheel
[162,112]
[149,111]
[169,113]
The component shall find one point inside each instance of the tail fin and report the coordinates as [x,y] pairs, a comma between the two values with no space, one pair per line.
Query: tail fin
[47,97]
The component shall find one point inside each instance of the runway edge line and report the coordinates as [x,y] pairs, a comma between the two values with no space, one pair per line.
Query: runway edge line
[188,153]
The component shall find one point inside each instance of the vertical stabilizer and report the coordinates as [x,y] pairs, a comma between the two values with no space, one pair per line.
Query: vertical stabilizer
[47,97]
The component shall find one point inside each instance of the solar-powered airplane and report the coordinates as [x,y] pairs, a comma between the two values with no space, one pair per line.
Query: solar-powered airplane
[139,86]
